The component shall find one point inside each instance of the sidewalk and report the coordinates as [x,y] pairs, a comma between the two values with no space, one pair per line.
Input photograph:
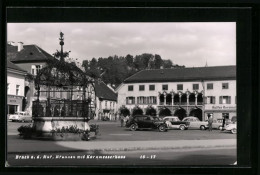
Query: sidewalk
[32,146]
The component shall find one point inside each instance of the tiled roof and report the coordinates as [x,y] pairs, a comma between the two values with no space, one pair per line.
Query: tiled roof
[104,92]
[13,66]
[27,54]
[184,74]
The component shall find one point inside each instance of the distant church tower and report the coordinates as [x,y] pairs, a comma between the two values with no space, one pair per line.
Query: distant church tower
[206,65]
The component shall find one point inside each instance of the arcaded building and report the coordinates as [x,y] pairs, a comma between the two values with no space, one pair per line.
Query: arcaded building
[198,91]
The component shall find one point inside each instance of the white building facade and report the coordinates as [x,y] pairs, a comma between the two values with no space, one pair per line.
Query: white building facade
[15,88]
[182,92]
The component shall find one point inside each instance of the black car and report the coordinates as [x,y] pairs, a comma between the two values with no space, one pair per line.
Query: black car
[146,122]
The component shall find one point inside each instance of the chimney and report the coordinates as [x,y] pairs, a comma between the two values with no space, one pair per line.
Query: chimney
[20,46]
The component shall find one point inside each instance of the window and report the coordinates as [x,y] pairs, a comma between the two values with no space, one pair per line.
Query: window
[8,88]
[38,68]
[165,87]
[224,100]
[141,100]
[141,87]
[130,88]
[224,85]
[210,86]
[195,86]
[106,104]
[17,89]
[33,70]
[130,100]
[151,87]
[179,86]
[211,100]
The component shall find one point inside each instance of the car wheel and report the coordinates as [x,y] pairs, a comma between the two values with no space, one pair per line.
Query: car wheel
[234,131]
[220,127]
[182,127]
[133,127]
[202,127]
[162,128]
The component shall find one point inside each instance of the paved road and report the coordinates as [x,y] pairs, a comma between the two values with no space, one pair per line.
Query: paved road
[210,156]
[111,131]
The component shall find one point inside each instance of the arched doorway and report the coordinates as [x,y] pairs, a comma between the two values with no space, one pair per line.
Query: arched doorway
[137,111]
[168,99]
[181,113]
[161,99]
[150,111]
[184,99]
[176,99]
[192,99]
[200,99]
[196,112]
[165,112]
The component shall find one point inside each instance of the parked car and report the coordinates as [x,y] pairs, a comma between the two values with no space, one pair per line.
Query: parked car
[195,123]
[217,124]
[232,127]
[21,117]
[146,122]
[173,122]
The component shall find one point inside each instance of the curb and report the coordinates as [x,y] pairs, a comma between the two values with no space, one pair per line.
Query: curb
[124,149]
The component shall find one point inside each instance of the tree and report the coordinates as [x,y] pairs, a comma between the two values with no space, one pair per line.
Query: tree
[129,60]
[167,64]
[158,62]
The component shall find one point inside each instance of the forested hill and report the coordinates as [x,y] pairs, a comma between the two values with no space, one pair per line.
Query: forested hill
[114,69]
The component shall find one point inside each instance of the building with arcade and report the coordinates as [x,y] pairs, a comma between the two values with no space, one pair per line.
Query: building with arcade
[196,91]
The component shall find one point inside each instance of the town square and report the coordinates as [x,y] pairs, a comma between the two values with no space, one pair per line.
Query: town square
[138,107]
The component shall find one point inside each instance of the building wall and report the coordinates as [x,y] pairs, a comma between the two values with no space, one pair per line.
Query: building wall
[28,66]
[217,91]
[103,110]
[14,79]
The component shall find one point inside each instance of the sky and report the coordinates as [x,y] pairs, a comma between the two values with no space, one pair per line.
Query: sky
[189,44]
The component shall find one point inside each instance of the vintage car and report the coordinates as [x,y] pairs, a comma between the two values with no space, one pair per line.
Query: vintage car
[232,127]
[195,123]
[173,122]
[217,124]
[146,122]
[21,117]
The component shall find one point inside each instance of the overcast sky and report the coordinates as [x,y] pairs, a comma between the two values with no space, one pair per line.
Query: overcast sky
[189,44]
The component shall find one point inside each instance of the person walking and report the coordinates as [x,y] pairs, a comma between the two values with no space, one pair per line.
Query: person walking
[210,121]
[122,120]
[223,123]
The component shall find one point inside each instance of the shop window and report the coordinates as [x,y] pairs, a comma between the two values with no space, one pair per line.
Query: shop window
[210,86]
[165,87]
[151,87]
[141,87]
[224,85]
[179,86]
[195,86]
[130,88]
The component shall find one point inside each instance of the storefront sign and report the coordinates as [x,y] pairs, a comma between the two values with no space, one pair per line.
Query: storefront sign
[224,107]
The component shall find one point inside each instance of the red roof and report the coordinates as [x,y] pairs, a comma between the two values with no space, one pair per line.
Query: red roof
[29,53]
[184,74]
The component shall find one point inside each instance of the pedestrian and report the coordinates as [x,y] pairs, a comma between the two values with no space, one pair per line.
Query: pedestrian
[126,119]
[223,123]
[122,120]
[210,121]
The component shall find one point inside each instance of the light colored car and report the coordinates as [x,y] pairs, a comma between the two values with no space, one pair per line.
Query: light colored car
[21,117]
[195,123]
[173,122]
[232,127]
[217,124]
